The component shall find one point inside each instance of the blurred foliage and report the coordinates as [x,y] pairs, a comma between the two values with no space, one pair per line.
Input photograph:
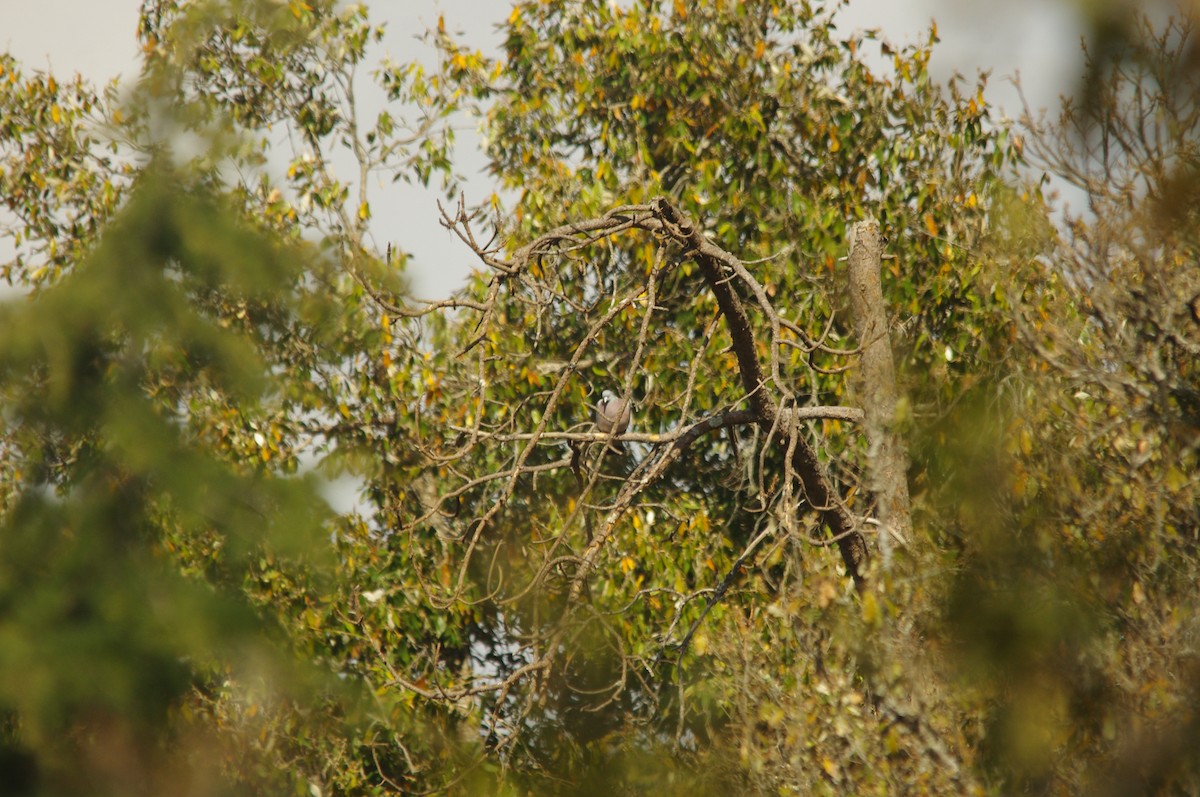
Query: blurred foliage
[1101,505]
[210,333]
[126,535]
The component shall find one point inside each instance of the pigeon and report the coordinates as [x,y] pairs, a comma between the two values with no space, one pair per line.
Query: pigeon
[612,414]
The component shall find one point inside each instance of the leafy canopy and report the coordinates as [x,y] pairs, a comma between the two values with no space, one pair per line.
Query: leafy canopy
[211,333]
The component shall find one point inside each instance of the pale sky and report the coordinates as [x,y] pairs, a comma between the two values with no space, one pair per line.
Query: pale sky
[1037,37]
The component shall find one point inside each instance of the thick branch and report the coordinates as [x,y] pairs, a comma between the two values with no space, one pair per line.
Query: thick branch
[718,269]
[710,259]
[687,434]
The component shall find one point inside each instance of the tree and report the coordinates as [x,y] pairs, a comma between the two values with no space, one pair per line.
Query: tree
[515,606]
[1100,515]
[127,533]
[161,382]
[707,181]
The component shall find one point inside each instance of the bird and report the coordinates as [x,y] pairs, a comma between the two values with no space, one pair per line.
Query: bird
[612,415]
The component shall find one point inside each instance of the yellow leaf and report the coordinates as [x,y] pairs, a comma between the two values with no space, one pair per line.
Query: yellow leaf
[1019,484]
[1176,480]
[515,17]
[759,49]
[681,9]
[364,211]
[930,225]
[700,644]
[55,114]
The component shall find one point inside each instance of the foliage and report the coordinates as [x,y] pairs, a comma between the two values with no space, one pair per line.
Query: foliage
[514,605]
[193,362]
[59,181]
[127,533]
[1100,521]
[772,135]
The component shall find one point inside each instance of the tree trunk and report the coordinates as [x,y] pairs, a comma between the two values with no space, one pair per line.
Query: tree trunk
[887,457]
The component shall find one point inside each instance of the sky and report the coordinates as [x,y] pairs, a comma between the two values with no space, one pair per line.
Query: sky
[1036,38]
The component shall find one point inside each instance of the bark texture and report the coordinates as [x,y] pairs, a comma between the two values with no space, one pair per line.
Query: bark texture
[887,454]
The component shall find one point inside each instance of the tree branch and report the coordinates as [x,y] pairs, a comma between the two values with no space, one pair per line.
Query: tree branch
[714,264]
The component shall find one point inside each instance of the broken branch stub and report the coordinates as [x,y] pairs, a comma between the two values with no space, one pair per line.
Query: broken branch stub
[887,455]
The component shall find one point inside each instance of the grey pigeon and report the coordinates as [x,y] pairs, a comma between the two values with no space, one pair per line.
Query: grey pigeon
[612,414]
